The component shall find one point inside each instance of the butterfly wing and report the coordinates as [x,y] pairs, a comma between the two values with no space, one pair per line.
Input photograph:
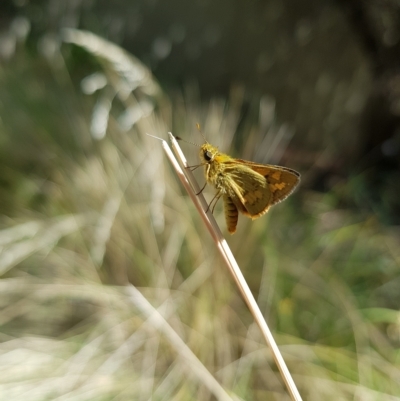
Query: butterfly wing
[282,181]
[248,190]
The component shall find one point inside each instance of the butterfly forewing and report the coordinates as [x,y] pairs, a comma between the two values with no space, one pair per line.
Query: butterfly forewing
[282,181]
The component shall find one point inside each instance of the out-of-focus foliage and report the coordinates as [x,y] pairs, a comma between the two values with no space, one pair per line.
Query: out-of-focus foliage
[330,67]
[95,232]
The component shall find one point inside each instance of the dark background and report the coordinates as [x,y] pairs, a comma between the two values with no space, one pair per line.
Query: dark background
[331,67]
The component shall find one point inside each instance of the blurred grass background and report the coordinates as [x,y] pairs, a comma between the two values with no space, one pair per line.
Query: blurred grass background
[90,205]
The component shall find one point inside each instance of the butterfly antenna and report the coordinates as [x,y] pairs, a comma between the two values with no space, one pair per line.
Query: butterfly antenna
[178,138]
[201,133]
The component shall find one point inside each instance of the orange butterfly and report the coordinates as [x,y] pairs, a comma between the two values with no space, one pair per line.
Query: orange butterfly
[246,187]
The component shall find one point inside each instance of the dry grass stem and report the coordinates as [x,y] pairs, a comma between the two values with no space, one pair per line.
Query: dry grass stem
[190,184]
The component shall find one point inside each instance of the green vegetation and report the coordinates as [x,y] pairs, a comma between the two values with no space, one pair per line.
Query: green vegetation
[89,206]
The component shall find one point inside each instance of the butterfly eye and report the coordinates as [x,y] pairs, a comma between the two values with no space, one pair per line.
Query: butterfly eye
[208,156]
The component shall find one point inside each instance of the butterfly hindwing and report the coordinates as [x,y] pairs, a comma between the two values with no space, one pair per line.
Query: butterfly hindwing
[248,190]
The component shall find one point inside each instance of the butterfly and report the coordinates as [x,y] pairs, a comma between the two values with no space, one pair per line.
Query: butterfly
[246,187]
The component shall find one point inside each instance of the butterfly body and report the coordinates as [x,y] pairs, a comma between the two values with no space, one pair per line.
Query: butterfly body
[246,187]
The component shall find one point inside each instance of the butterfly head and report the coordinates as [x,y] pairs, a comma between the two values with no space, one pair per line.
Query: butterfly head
[208,153]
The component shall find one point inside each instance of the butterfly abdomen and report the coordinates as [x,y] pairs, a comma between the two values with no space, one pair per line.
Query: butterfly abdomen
[231,214]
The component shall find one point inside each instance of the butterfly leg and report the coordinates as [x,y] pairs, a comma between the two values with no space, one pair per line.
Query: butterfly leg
[215,199]
[192,168]
[202,189]
[215,202]
[231,214]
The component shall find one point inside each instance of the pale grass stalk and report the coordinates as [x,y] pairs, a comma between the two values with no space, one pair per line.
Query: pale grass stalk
[103,230]
[40,240]
[190,184]
[155,319]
